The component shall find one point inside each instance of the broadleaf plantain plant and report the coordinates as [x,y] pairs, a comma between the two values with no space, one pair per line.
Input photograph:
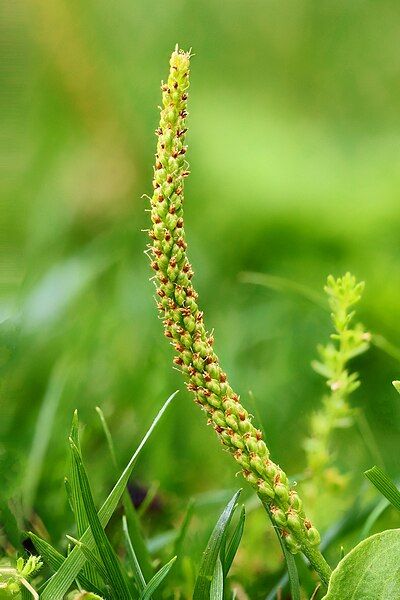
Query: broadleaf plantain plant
[184,327]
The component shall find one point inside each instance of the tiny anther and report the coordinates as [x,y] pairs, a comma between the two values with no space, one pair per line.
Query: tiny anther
[172,209]
[178,191]
[178,360]
[307,524]
[158,165]
[179,223]
[169,178]
[242,416]
[175,84]
[161,293]
[222,377]
[154,265]
[258,434]
[168,334]
[184,96]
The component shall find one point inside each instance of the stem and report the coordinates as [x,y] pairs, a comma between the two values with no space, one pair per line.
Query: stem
[317,561]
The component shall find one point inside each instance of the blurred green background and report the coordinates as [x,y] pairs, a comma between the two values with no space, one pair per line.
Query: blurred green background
[294,152]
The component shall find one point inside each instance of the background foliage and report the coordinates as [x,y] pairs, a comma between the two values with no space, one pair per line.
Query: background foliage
[293,145]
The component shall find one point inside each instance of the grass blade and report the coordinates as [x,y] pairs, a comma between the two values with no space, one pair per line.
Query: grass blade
[137,571]
[93,560]
[385,485]
[55,559]
[62,580]
[234,542]
[180,538]
[156,581]
[76,499]
[217,582]
[138,541]
[103,545]
[211,553]
[292,573]
[42,433]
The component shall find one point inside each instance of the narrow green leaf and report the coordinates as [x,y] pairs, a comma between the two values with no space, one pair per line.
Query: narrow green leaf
[293,575]
[180,538]
[62,580]
[93,560]
[385,485]
[210,555]
[41,435]
[156,581]
[103,544]
[54,559]
[234,542]
[217,582]
[137,571]
[76,498]
[138,541]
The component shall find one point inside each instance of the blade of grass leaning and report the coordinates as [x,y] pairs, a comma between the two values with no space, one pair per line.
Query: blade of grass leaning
[103,545]
[385,485]
[291,566]
[42,433]
[217,582]
[234,542]
[76,498]
[93,561]
[156,580]
[68,571]
[211,553]
[373,517]
[135,530]
[180,538]
[137,571]
[55,559]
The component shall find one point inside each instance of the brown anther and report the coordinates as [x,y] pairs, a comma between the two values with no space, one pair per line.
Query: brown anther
[178,191]
[175,84]
[235,397]
[192,386]
[169,178]
[207,377]
[183,150]
[199,316]
[178,360]
[158,165]
[161,293]
[181,243]
[185,173]
[181,132]
[206,392]
[172,262]
[167,333]
[159,131]
[154,265]
[183,113]
[222,377]
[184,96]
[160,197]
[219,429]
[186,268]
[179,223]
[164,279]
[258,434]
[175,154]
[156,219]
[242,416]
[192,371]
[167,236]
[307,524]
[172,209]
[277,478]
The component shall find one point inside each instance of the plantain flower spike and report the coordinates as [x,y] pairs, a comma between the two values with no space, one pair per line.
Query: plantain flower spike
[184,326]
